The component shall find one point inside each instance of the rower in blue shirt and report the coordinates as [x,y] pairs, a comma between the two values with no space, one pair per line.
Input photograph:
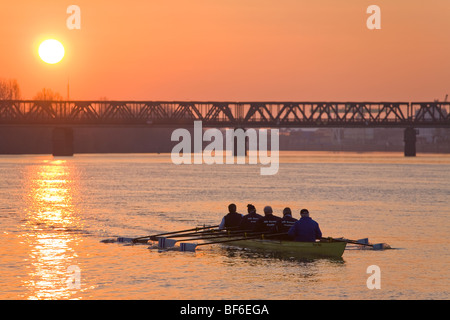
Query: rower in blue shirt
[305,229]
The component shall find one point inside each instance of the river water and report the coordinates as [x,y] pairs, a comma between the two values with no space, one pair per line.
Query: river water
[55,212]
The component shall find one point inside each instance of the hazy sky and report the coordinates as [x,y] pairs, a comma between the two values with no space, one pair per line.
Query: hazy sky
[231,49]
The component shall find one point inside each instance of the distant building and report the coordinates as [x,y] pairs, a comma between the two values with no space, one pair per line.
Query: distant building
[362,139]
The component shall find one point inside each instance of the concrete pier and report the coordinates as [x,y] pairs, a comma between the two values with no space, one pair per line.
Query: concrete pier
[410,142]
[62,141]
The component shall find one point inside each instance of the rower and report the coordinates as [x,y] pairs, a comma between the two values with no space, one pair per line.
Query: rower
[248,221]
[232,220]
[268,222]
[305,229]
[285,223]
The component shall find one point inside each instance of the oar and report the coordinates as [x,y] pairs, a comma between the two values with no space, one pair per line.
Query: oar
[362,242]
[163,234]
[167,242]
[208,232]
[192,246]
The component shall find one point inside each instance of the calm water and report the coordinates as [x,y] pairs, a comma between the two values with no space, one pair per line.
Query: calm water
[55,212]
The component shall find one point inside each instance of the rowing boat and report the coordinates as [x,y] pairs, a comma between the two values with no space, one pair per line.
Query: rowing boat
[294,248]
[326,247]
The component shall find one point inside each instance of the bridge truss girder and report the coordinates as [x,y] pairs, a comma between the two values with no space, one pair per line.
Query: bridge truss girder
[227,114]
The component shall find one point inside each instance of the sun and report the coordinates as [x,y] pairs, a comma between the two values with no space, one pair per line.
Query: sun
[51,51]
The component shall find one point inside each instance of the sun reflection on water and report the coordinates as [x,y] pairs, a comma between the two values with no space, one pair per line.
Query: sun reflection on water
[52,229]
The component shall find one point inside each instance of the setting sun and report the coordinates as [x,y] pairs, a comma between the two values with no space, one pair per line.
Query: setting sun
[51,51]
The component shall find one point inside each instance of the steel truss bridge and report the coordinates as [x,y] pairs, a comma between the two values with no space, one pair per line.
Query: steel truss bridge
[226,114]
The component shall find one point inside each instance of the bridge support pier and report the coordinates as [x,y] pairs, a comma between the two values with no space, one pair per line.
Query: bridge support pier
[409,137]
[62,139]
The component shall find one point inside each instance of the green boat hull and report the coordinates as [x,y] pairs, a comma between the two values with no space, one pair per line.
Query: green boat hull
[294,248]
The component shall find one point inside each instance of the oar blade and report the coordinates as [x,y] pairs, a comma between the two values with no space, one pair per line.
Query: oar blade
[381,246]
[164,243]
[363,241]
[186,246]
[124,239]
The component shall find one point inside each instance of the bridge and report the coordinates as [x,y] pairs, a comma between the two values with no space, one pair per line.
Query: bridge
[221,114]
[227,114]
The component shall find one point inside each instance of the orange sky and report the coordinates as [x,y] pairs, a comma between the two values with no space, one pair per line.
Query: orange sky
[231,49]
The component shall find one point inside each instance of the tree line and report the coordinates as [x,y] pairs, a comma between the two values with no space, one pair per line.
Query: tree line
[10,90]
